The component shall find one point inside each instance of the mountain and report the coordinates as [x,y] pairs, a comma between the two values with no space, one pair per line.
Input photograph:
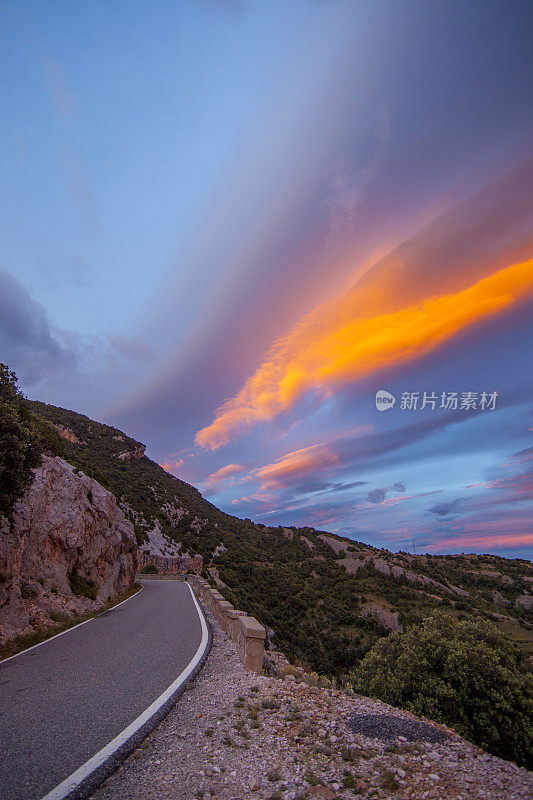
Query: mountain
[327,599]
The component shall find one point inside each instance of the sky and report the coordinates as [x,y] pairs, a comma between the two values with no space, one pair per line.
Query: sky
[289,246]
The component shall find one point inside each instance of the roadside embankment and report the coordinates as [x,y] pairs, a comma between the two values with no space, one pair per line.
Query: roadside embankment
[235,734]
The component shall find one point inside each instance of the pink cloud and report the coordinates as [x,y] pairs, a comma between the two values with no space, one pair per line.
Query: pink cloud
[213,482]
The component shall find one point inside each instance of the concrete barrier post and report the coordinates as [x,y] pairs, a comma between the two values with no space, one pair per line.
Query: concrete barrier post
[233,631]
[216,597]
[223,608]
[251,643]
[209,599]
[218,609]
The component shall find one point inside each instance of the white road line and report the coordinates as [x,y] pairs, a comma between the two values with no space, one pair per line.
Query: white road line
[68,630]
[73,781]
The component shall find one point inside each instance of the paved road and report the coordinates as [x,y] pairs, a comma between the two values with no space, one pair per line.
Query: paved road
[63,701]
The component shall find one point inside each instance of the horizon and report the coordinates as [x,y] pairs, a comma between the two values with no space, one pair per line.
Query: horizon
[288,249]
[302,527]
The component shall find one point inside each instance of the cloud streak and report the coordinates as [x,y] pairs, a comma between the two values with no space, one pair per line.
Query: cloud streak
[328,349]
[294,465]
[214,481]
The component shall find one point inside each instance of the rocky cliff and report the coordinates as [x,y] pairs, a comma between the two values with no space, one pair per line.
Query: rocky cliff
[67,550]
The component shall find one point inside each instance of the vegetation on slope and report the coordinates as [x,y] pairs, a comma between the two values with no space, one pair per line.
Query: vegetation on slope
[465,674]
[23,436]
[292,578]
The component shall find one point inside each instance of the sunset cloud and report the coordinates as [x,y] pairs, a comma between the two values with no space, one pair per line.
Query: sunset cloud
[293,466]
[213,482]
[329,348]
[481,541]
[172,465]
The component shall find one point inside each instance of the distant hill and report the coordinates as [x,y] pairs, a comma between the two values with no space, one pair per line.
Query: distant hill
[326,598]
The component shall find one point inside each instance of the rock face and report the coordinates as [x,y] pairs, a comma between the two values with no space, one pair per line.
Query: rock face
[127,455]
[65,524]
[387,618]
[69,435]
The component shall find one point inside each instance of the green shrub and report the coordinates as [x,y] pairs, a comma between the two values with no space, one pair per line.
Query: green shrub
[389,781]
[150,569]
[19,453]
[140,535]
[348,780]
[82,587]
[465,674]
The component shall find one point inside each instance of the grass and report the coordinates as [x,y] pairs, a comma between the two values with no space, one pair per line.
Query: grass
[348,780]
[22,643]
[59,616]
[389,781]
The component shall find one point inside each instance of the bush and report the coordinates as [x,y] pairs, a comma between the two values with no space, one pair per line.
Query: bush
[150,569]
[464,674]
[19,453]
[82,587]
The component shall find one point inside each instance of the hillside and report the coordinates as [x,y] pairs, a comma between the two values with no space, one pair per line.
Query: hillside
[326,598]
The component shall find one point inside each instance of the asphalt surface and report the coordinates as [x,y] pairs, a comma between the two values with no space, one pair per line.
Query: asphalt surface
[387,726]
[63,701]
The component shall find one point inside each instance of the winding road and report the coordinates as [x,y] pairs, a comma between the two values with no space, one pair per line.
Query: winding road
[65,700]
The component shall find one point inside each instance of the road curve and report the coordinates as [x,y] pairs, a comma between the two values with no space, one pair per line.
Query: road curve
[65,700]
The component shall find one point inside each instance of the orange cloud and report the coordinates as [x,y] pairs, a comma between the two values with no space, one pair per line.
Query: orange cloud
[172,465]
[338,343]
[294,465]
[216,478]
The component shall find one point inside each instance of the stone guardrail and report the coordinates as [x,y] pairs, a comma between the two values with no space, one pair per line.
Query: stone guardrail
[246,632]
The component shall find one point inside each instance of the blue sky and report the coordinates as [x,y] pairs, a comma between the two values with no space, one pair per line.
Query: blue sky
[210,210]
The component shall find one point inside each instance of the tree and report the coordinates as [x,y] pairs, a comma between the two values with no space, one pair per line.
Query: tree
[19,452]
[465,674]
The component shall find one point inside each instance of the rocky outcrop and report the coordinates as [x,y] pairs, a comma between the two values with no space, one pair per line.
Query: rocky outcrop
[138,452]
[311,545]
[353,563]
[387,618]
[524,601]
[66,532]
[159,544]
[67,434]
